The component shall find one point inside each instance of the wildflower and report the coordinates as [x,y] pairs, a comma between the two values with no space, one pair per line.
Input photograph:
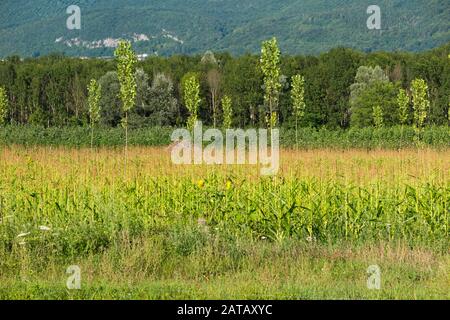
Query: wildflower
[201,183]
[229,185]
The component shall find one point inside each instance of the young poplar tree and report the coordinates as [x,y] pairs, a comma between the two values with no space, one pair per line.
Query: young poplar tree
[126,65]
[378,116]
[227,112]
[270,66]
[421,104]
[403,106]
[191,95]
[298,100]
[94,95]
[403,101]
[213,78]
[4,106]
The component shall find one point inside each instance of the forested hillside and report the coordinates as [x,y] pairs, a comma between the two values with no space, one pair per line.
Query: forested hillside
[52,90]
[165,27]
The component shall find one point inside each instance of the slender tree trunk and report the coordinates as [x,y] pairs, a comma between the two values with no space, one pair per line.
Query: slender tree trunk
[92,136]
[213,108]
[126,142]
[401,136]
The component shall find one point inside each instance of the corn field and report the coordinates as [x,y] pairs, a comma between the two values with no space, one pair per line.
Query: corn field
[79,201]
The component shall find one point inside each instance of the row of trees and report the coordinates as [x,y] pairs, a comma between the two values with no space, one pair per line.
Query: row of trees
[340,88]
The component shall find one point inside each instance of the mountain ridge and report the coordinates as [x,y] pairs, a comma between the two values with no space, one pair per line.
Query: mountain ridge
[302,27]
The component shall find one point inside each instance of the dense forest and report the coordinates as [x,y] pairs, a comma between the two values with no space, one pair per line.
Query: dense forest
[38,27]
[52,90]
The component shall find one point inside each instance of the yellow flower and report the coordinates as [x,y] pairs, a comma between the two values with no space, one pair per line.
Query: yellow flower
[229,185]
[201,183]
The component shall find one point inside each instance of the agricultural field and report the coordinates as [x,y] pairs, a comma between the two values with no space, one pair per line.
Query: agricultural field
[106,191]
[154,230]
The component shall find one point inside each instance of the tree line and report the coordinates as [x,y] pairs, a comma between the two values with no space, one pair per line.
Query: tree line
[339,89]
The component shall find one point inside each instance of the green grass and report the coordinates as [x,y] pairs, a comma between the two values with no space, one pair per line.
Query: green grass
[238,268]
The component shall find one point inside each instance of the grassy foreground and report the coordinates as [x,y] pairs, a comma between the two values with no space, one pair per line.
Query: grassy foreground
[157,231]
[226,269]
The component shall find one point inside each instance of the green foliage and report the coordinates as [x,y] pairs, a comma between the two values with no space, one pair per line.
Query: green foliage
[227,112]
[307,27]
[403,106]
[242,80]
[83,220]
[162,105]
[298,98]
[270,66]
[126,64]
[364,79]
[421,104]
[308,138]
[213,79]
[380,94]
[191,95]
[271,120]
[3,106]
[448,113]
[80,137]
[378,117]
[373,91]
[110,104]
[94,96]
[126,68]
[365,138]
[51,91]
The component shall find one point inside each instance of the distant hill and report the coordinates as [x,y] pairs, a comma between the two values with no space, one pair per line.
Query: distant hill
[167,27]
